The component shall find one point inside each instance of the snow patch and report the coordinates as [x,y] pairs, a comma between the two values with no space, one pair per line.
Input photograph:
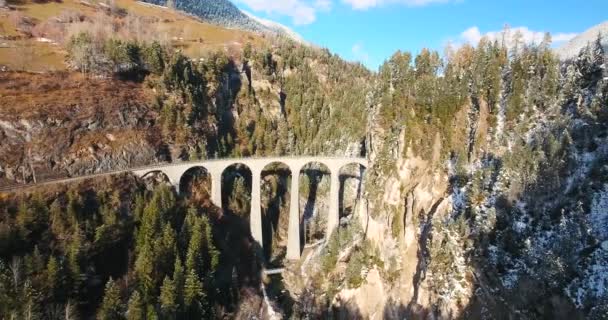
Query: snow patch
[598,216]
[277,27]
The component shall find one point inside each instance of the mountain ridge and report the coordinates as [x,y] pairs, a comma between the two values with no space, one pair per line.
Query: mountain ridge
[224,13]
[572,48]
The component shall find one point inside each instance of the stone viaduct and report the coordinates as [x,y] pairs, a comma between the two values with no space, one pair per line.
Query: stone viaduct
[216,168]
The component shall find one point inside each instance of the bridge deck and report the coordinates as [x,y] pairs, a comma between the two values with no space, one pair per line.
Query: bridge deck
[206,163]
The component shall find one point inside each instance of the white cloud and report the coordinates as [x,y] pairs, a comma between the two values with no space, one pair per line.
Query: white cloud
[510,36]
[301,11]
[359,53]
[366,4]
[323,5]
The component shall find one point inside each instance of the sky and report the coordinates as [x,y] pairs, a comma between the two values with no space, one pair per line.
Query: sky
[370,31]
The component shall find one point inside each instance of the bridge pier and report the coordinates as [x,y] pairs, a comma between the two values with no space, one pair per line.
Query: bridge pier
[255,215]
[216,186]
[293,237]
[334,201]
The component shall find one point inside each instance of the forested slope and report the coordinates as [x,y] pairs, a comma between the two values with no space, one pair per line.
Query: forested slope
[486,196]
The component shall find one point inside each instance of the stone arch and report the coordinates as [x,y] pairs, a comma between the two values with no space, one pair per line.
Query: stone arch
[230,177]
[351,181]
[275,185]
[196,176]
[315,185]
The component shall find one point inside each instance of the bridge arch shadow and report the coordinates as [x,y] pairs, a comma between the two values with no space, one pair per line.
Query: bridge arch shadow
[155,178]
[196,179]
[275,185]
[315,185]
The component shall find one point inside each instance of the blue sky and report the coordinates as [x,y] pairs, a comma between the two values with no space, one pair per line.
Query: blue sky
[370,31]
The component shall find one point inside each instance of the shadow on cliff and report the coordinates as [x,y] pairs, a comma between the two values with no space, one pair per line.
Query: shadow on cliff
[535,294]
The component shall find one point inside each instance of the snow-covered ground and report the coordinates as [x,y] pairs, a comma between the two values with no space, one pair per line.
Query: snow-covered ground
[571,49]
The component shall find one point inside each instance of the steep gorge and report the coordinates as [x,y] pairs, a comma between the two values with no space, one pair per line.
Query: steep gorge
[479,211]
[486,197]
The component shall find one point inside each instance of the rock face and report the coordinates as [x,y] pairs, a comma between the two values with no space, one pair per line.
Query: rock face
[72,127]
[406,198]
[495,215]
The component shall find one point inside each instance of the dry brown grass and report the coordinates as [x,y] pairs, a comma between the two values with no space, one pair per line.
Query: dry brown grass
[142,22]
[26,95]
[32,56]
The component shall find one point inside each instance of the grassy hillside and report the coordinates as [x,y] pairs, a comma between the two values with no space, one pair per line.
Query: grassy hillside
[21,28]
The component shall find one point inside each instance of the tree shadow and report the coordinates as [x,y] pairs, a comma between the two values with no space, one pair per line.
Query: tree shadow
[315,176]
[229,88]
[240,265]
[272,215]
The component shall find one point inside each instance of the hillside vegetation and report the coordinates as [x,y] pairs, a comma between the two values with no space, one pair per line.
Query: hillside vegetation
[34,34]
[486,195]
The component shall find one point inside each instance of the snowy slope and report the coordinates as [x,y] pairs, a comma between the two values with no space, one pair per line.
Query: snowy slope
[277,28]
[226,14]
[571,49]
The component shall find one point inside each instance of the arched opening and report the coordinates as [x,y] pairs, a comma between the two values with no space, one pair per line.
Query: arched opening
[154,179]
[196,180]
[275,184]
[351,182]
[315,185]
[236,190]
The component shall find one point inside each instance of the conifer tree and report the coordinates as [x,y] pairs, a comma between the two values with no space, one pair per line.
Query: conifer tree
[178,281]
[193,295]
[136,308]
[193,256]
[52,274]
[145,270]
[111,307]
[168,299]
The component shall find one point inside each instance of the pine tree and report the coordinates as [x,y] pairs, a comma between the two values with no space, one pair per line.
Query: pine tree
[178,281]
[167,249]
[213,255]
[73,261]
[145,270]
[25,220]
[590,62]
[52,274]
[136,308]
[111,307]
[168,299]
[193,257]
[57,219]
[193,294]
[29,302]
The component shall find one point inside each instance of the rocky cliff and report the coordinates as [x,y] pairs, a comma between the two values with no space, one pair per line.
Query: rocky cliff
[488,213]
[514,230]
